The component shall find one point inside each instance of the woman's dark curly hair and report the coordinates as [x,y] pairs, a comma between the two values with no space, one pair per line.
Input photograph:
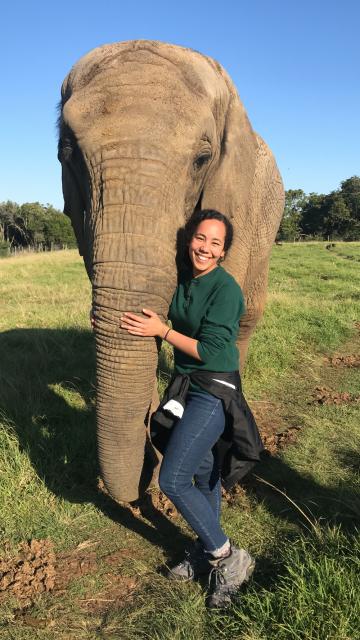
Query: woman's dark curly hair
[208,214]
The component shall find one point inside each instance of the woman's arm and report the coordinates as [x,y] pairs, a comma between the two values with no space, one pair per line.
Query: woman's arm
[153,326]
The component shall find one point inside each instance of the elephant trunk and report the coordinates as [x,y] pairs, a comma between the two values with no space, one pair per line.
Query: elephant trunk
[133,268]
[125,379]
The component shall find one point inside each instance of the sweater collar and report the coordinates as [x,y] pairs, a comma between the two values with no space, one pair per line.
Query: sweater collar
[205,278]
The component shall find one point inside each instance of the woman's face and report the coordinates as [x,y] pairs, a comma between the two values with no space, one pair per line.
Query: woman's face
[207,246]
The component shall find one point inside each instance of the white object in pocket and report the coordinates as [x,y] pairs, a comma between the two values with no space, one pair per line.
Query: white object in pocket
[174,407]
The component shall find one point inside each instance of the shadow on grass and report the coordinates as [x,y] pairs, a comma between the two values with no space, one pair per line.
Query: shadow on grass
[306,502]
[47,390]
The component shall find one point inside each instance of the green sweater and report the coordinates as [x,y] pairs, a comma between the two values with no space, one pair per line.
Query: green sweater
[208,308]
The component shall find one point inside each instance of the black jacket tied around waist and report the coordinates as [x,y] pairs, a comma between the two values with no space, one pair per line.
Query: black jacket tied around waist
[239,447]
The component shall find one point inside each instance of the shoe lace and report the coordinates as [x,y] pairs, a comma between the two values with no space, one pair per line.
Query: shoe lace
[216,577]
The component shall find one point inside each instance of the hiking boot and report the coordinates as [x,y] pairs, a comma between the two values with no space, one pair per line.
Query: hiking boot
[227,575]
[195,564]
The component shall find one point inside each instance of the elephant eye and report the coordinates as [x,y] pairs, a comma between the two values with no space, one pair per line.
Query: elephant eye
[202,159]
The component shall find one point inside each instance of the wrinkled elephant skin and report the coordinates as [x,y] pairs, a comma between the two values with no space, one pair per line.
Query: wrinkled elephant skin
[148,132]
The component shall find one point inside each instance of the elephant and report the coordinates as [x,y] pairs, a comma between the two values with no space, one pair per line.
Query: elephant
[148,133]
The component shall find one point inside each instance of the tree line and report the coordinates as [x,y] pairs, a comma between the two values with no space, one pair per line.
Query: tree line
[332,216]
[35,226]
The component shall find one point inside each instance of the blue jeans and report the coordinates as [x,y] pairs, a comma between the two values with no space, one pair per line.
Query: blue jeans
[189,456]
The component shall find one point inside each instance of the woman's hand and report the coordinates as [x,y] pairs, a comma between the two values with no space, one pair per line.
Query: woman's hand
[139,326]
[151,326]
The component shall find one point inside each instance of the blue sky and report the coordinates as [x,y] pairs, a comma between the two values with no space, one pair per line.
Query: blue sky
[295,65]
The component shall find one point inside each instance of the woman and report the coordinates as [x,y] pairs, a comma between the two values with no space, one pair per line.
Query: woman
[205,313]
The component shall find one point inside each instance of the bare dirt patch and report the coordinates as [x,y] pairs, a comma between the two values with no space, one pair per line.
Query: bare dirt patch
[152,502]
[73,564]
[163,504]
[274,431]
[36,569]
[30,573]
[277,441]
[235,496]
[152,506]
[324,395]
[117,592]
[352,360]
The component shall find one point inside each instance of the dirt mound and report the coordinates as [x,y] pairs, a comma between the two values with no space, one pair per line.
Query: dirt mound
[153,505]
[352,360]
[323,395]
[163,504]
[36,569]
[280,439]
[275,433]
[30,573]
[235,495]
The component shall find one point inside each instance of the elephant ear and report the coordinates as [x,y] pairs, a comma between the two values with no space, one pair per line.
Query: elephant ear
[74,205]
[246,186]
[228,185]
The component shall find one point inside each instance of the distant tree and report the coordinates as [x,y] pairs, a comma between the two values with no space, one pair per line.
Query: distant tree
[350,191]
[313,213]
[342,219]
[290,227]
[32,220]
[8,214]
[58,230]
[36,225]
[332,215]
[337,219]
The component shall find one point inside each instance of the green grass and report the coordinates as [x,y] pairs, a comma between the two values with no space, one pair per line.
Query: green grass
[307,580]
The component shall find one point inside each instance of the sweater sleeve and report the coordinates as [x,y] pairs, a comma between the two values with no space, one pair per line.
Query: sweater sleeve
[220,324]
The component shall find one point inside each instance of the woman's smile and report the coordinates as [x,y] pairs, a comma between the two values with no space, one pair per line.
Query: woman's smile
[199,256]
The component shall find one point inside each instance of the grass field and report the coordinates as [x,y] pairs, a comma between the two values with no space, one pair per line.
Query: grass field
[298,514]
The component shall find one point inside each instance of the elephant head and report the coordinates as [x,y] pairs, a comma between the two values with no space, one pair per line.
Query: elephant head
[148,132]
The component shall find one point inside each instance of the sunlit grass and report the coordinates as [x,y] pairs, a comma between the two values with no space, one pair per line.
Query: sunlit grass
[307,577]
